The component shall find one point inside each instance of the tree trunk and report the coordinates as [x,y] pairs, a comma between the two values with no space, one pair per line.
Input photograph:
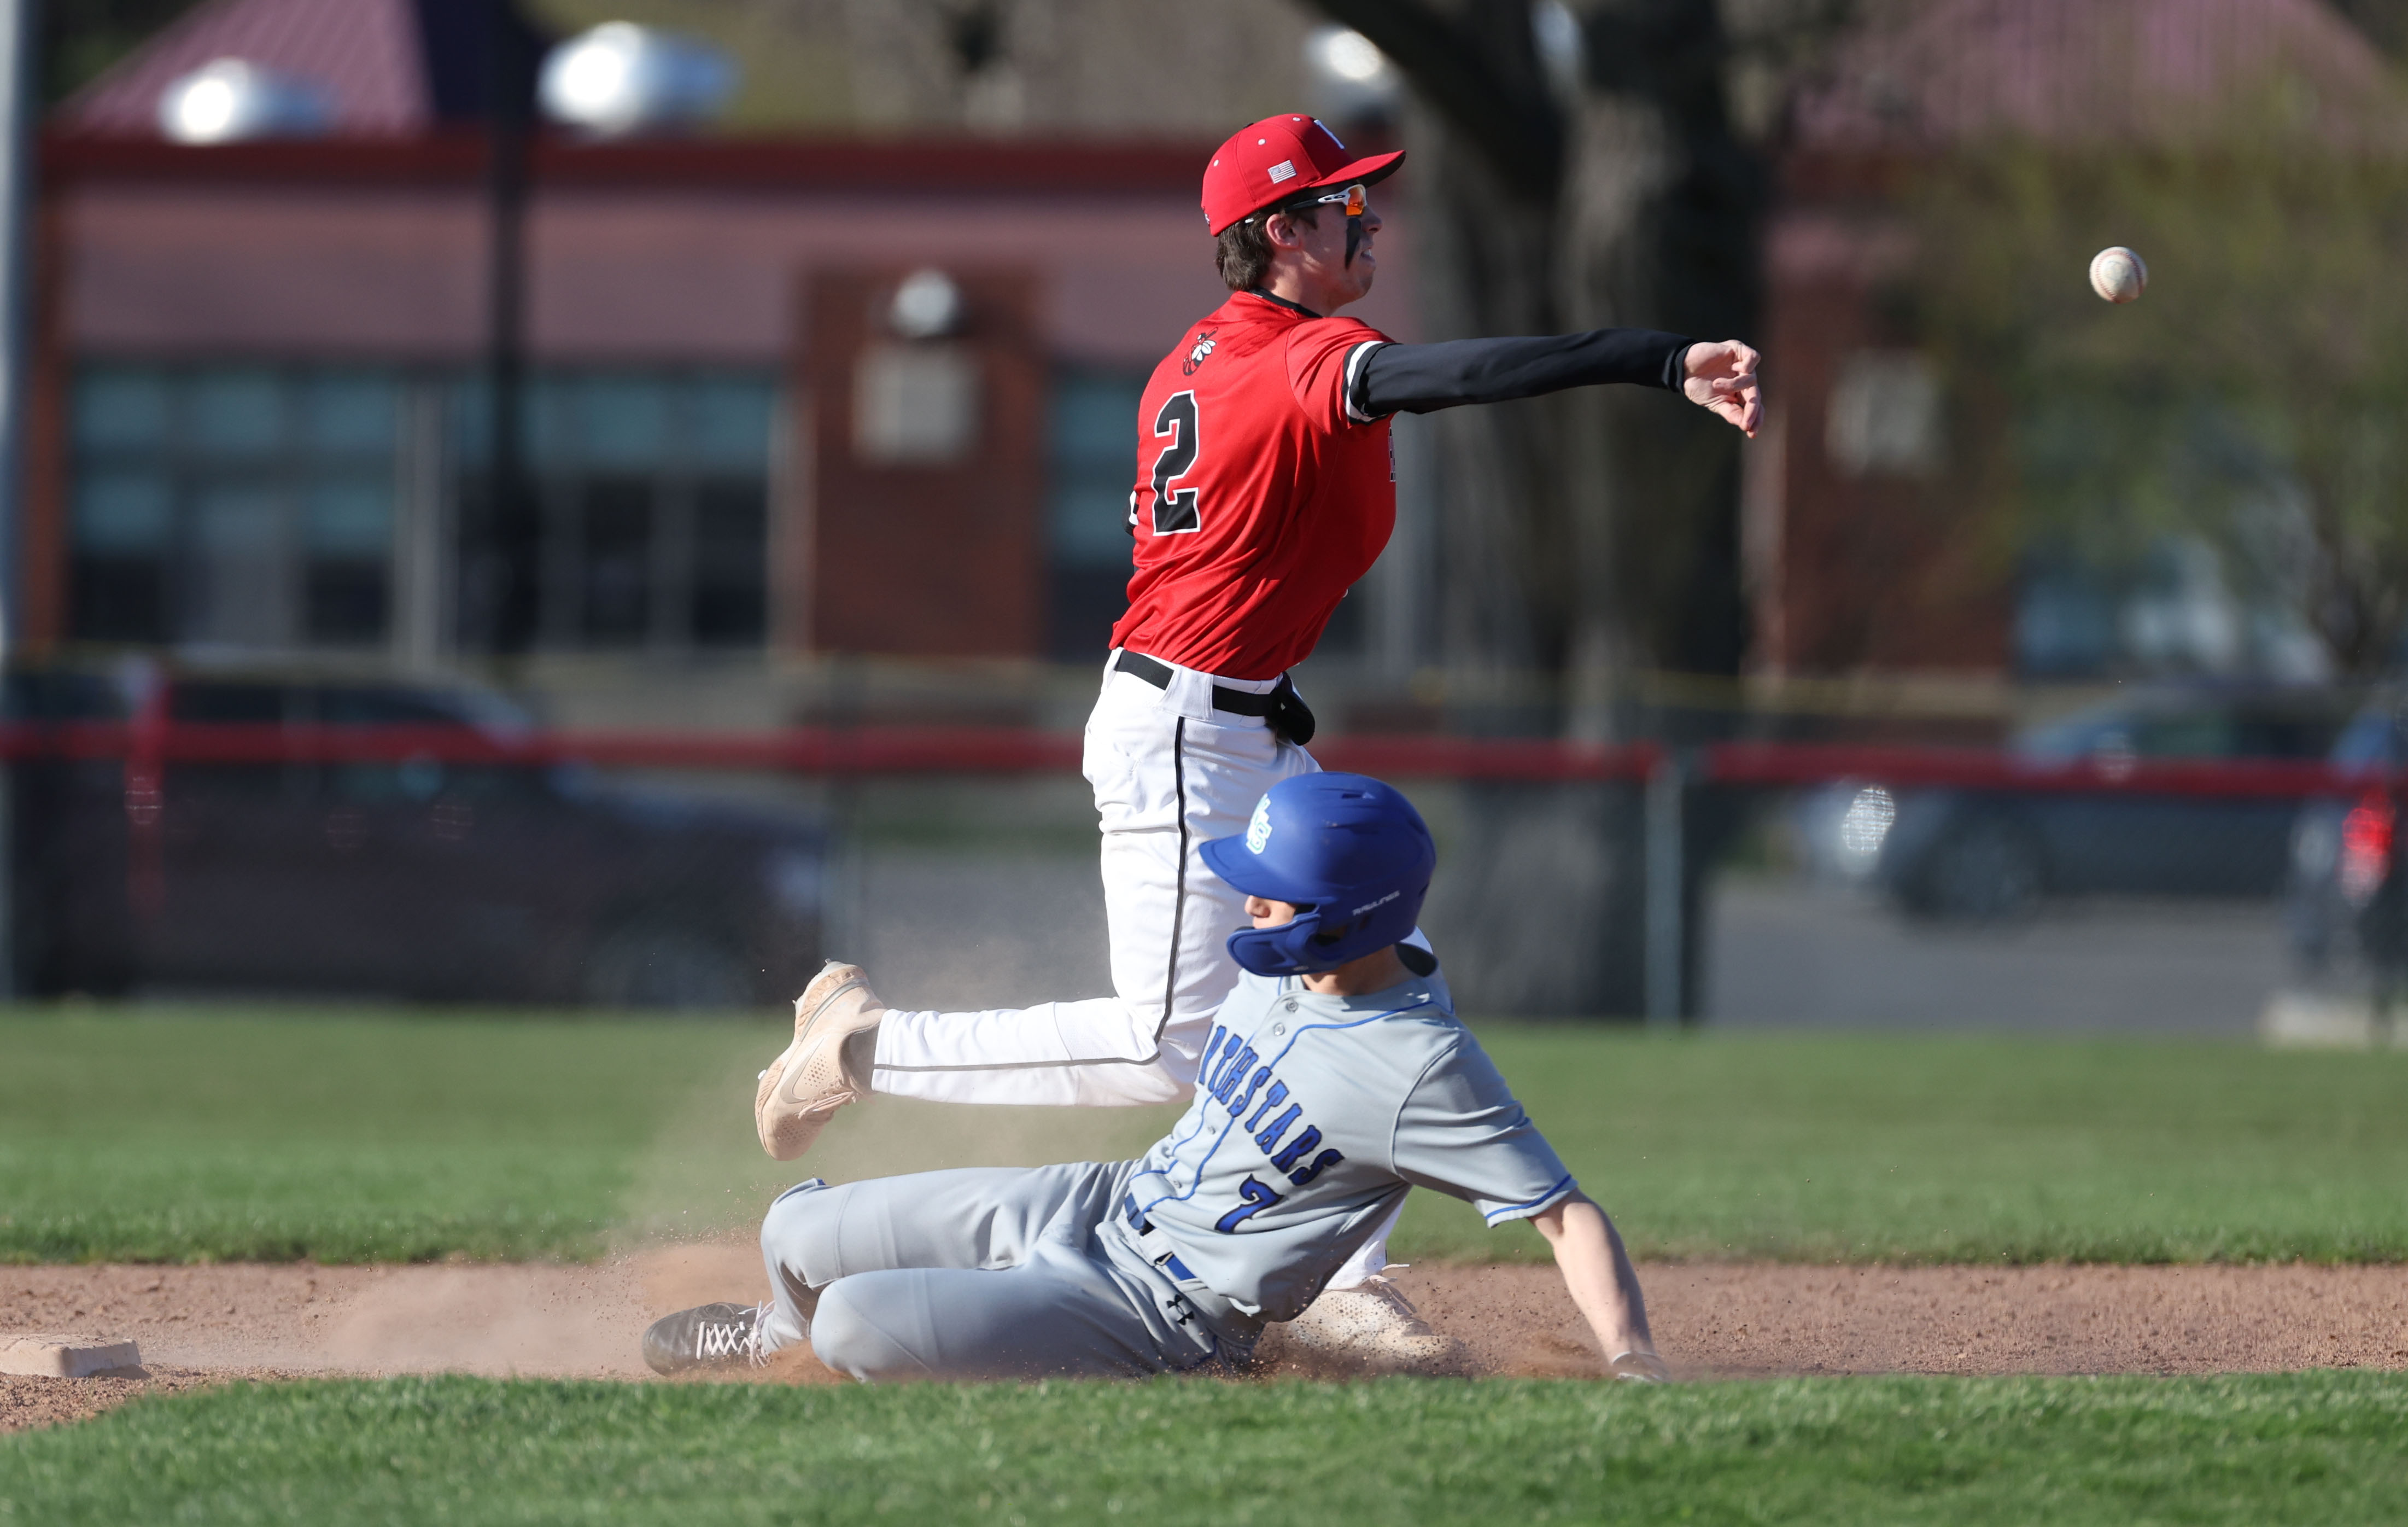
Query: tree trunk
[1486,263]
[1658,230]
[1592,534]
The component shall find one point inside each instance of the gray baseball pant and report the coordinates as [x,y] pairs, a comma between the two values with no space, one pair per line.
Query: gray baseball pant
[981,1273]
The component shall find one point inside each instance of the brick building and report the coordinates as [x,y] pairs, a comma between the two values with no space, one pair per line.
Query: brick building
[259,426]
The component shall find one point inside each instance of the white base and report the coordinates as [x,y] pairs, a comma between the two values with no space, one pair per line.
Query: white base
[2305,1020]
[43,1356]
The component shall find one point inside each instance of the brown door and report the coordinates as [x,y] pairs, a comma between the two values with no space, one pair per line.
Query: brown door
[926,412]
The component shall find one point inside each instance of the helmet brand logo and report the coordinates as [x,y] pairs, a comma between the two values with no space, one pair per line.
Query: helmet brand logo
[1369,905]
[1258,832]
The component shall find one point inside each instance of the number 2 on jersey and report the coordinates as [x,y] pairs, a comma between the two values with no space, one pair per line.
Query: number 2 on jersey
[1175,511]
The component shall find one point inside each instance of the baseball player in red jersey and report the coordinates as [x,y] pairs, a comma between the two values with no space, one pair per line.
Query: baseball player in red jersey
[1264,488]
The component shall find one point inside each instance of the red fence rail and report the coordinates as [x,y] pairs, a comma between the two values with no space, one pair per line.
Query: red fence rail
[152,745]
[1816,763]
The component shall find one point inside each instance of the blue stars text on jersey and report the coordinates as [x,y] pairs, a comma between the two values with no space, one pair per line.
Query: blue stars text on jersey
[1232,1076]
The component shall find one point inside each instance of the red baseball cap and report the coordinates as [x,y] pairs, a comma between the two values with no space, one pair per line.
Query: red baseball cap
[1278,159]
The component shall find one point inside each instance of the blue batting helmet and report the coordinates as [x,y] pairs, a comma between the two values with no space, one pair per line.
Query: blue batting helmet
[1349,850]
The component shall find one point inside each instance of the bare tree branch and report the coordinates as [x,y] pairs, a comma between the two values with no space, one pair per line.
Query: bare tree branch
[1482,78]
[2384,21]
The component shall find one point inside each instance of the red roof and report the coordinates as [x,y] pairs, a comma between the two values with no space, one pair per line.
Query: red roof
[362,53]
[1942,71]
[455,157]
[388,67]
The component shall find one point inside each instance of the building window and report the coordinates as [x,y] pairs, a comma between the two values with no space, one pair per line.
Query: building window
[1092,466]
[256,507]
[652,492]
[232,506]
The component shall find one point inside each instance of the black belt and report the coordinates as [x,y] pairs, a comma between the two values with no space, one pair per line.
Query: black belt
[1235,702]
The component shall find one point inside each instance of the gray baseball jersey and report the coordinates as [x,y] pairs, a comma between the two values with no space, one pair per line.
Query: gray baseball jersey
[1312,1115]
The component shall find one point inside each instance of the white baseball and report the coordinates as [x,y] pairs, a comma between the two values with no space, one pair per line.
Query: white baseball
[2118,275]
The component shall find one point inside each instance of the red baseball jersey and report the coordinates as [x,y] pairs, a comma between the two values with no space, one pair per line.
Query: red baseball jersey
[1259,499]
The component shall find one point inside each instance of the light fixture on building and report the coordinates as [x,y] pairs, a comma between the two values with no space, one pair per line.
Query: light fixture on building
[228,100]
[1351,79]
[619,79]
[926,306]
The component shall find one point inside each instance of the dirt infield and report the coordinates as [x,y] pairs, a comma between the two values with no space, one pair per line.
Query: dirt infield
[197,1324]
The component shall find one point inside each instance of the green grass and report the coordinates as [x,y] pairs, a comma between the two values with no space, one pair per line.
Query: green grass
[200,1135]
[2310,1447]
[1867,1148]
[220,1135]
[212,1135]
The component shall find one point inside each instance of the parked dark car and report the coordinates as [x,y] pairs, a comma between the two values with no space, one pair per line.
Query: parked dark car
[512,881]
[2346,903]
[1986,853]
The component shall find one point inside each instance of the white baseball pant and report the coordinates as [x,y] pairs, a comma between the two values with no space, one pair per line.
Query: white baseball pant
[1170,772]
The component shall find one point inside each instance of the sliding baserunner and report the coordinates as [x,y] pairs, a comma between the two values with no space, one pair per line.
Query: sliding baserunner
[1264,488]
[1333,1078]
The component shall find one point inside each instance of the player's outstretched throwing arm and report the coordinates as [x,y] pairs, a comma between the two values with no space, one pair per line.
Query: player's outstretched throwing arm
[1715,374]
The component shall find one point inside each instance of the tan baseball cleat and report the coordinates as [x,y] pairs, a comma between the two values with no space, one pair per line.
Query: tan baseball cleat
[1372,1327]
[803,1089]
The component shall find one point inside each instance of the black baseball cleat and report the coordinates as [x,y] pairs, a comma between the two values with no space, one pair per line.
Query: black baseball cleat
[706,1336]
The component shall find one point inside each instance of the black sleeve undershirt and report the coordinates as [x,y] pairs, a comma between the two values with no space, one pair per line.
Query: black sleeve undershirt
[1421,379]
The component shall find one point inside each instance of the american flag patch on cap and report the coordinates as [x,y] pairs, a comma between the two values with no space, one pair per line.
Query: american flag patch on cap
[1284,170]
